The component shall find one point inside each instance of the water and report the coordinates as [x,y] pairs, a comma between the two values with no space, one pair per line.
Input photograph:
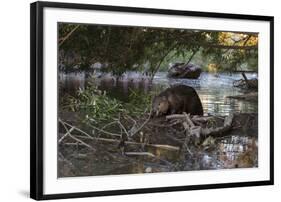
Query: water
[213,90]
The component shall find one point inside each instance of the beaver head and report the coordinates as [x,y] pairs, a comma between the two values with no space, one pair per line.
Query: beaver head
[160,105]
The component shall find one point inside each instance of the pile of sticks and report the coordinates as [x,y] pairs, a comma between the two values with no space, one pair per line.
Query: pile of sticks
[194,128]
[81,136]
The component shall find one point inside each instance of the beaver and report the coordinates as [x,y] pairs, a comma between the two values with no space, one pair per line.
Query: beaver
[177,99]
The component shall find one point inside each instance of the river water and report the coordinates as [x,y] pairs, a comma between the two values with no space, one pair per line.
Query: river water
[213,90]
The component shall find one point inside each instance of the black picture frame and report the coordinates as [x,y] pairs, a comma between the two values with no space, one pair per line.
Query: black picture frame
[36,98]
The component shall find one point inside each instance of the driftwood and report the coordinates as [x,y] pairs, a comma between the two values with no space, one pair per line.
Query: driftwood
[197,132]
[139,154]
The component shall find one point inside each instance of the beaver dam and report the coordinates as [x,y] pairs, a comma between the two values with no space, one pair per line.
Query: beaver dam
[123,137]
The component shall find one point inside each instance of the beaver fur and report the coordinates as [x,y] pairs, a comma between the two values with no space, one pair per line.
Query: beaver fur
[176,100]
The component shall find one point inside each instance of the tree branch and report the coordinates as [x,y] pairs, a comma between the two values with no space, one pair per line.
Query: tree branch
[63,39]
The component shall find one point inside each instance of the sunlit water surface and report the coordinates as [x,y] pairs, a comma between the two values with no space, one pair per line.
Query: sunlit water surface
[213,90]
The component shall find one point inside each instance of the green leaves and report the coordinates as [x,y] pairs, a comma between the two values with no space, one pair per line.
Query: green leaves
[99,107]
[122,49]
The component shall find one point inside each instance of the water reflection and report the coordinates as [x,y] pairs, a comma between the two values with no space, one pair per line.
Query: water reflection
[212,90]
[238,151]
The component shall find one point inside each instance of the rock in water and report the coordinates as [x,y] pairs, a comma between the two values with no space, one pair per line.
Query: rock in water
[180,70]
[177,99]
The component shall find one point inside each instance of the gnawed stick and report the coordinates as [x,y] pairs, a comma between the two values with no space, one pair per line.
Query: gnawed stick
[175,116]
[139,154]
[164,146]
[167,147]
